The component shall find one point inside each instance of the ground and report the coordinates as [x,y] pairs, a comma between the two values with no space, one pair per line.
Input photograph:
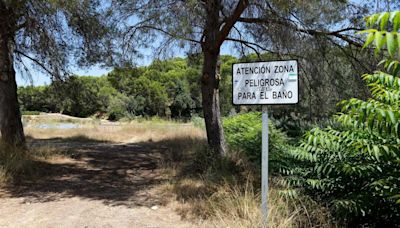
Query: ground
[107,176]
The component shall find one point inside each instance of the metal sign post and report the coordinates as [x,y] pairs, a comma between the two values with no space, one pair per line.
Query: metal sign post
[265,83]
[264,164]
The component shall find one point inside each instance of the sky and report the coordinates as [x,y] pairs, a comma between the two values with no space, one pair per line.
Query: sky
[39,78]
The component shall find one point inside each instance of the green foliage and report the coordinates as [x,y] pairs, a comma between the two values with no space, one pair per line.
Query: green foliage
[168,88]
[77,96]
[63,33]
[294,127]
[118,107]
[382,31]
[354,166]
[198,122]
[30,113]
[35,99]
[243,133]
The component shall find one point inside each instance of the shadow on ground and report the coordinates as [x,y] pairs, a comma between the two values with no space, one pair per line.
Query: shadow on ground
[117,174]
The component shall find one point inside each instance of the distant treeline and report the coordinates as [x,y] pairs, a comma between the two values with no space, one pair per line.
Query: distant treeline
[167,88]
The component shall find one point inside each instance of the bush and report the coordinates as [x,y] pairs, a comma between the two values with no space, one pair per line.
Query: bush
[117,108]
[198,122]
[355,166]
[243,133]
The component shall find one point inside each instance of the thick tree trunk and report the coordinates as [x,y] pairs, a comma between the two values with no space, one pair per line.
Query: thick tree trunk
[10,117]
[211,106]
[210,79]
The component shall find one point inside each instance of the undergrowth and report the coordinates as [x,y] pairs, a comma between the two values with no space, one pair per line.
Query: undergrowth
[14,163]
[226,190]
[18,164]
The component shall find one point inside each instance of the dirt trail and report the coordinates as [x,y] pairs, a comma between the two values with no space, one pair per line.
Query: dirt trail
[101,185]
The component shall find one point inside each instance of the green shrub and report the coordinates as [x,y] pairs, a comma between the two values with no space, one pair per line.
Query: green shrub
[198,122]
[117,108]
[243,133]
[355,166]
[30,113]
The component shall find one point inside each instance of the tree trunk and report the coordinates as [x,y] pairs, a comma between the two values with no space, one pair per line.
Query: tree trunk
[211,107]
[10,117]
[210,80]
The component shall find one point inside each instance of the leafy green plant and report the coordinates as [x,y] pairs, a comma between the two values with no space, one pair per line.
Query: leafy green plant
[383,31]
[297,127]
[243,133]
[354,166]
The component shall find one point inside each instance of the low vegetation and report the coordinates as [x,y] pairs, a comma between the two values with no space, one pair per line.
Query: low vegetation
[226,191]
[13,163]
[243,133]
[18,164]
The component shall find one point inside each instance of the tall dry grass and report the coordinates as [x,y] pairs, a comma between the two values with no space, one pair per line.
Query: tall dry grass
[14,162]
[226,191]
[127,133]
[239,206]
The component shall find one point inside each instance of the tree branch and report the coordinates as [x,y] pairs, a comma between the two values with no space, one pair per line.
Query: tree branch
[252,44]
[168,33]
[35,61]
[231,20]
[312,32]
[246,44]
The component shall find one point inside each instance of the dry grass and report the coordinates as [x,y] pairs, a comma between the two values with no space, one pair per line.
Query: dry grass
[14,163]
[226,192]
[54,117]
[238,206]
[128,133]
[222,191]
[20,164]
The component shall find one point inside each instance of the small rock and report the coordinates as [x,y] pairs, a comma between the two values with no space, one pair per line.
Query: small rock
[154,208]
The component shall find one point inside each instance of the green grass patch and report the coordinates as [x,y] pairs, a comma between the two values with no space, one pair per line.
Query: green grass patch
[31,113]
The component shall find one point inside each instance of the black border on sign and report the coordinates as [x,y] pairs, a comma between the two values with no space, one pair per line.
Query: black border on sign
[298,82]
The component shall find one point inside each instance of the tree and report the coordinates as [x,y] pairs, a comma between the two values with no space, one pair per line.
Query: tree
[78,96]
[46,34]
[35,99]
[204,26]
[181,100]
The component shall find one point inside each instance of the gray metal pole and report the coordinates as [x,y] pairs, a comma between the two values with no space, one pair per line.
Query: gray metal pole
[264,164]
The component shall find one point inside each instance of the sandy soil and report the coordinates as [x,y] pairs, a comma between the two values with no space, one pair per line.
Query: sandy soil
[99,185]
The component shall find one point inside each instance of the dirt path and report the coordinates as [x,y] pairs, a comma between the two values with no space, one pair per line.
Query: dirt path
[101,185]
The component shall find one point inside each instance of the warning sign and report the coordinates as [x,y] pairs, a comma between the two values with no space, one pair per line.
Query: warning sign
[274,82]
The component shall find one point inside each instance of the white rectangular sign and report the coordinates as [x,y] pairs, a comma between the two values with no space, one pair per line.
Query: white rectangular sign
[273,82]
